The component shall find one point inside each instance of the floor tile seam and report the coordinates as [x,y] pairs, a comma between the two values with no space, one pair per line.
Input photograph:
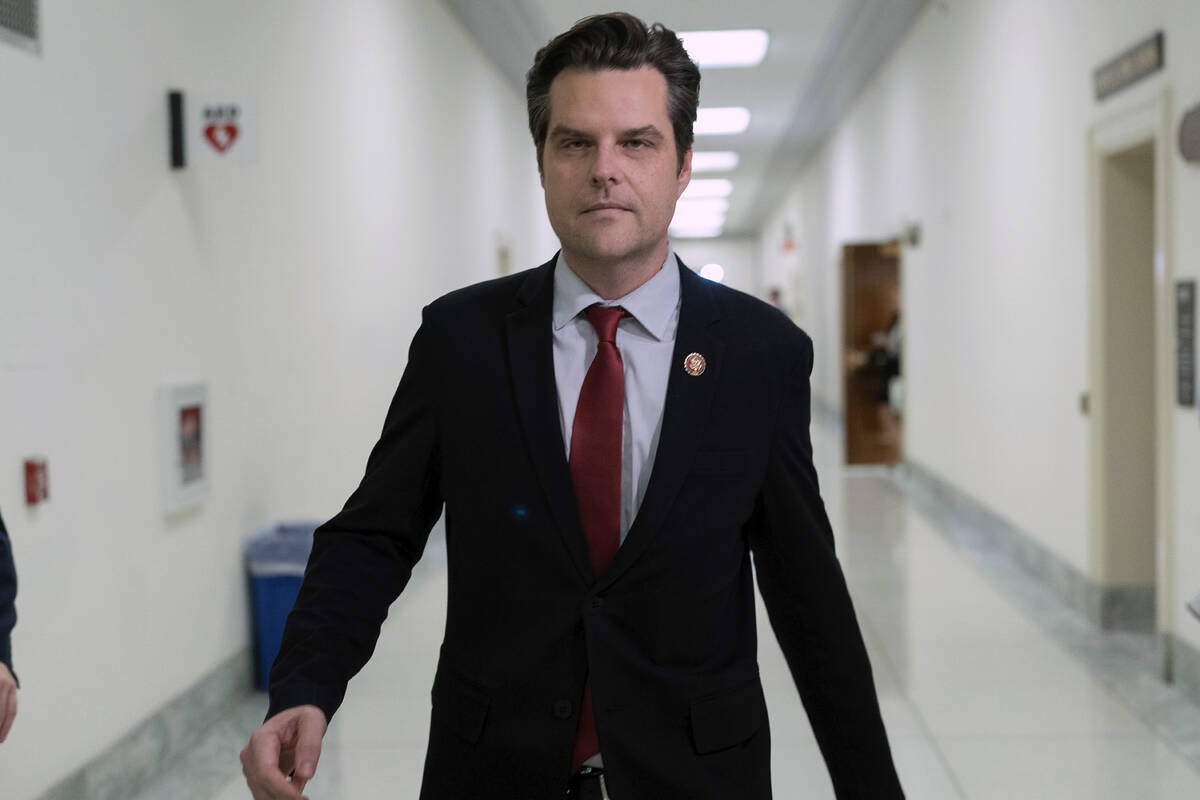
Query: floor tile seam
[1046,736]
[1002,576]
[922,723]
[925,689]
[1014,640]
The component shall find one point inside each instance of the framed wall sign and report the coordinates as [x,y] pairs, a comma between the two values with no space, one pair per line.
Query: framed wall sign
[204,132]
[184,463]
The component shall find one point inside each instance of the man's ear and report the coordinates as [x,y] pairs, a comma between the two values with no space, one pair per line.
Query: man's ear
[685,173]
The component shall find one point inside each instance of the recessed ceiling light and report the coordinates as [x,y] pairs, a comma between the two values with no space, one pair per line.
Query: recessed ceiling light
[744,48]
[714,272]
[708,187]
[714,160]
[711,121]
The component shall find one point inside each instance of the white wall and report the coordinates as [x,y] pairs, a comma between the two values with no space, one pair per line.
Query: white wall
[393,162]
[977,129]
[1182,19]
[737,256]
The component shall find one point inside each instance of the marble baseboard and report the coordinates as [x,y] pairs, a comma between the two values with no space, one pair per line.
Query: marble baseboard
[142,755]
[1130,608]
[1185,662]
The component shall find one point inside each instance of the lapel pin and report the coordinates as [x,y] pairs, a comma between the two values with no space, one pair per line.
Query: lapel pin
[694,364]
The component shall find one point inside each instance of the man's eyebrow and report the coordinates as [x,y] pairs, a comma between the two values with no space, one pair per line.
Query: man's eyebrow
[563,130]
[644,132]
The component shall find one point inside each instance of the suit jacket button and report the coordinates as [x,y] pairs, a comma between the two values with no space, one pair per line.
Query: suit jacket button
[562,709]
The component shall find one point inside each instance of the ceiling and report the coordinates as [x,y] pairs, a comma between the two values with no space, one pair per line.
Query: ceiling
[821,55]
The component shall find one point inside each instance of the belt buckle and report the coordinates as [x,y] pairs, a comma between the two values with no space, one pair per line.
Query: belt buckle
[598,774]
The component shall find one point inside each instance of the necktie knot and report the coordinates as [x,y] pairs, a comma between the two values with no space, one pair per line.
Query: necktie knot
[604,319]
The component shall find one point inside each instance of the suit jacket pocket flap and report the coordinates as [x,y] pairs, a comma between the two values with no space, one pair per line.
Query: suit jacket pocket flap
[462,706]
[728,717]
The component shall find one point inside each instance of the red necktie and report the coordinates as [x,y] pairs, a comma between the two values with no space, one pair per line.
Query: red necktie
[596,474]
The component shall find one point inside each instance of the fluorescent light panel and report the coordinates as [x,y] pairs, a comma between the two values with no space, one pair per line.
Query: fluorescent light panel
[714,272]
[710,232]
[701,188]
[701,205]
[741,48]
[714,160]
[703,213]
[721,121]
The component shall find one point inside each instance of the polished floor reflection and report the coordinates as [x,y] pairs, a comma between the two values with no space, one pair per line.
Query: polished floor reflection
[990,690]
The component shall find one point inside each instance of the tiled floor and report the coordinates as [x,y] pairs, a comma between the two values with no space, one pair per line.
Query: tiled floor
[989,691]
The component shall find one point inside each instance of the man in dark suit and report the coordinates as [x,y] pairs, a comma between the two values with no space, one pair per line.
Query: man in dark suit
[612,437]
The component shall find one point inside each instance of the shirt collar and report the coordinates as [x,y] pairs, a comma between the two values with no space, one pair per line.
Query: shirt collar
[652,304]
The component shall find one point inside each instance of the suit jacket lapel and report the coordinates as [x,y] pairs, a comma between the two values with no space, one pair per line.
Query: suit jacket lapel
[685,416]
[531,365]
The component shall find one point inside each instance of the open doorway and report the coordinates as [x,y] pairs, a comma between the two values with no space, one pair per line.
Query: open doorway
[1127,491]
[871,343]
[1131,480]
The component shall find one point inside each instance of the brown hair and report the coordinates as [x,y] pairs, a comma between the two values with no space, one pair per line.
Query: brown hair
[623,42]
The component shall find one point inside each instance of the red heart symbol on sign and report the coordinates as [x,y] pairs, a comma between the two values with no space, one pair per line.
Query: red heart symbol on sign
[221,136]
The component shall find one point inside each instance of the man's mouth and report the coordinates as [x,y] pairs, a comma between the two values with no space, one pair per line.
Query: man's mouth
[605,207]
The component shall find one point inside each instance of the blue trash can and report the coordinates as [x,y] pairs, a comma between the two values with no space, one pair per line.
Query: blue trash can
[275,560]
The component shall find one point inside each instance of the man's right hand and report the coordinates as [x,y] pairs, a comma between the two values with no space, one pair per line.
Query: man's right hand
[287,743]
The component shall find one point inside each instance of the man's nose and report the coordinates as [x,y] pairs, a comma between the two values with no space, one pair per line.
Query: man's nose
[604,166]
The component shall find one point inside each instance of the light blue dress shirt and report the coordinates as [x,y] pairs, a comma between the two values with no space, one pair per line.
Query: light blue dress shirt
[646,340]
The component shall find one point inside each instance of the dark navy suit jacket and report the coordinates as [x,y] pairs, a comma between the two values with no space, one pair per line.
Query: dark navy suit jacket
[667,634]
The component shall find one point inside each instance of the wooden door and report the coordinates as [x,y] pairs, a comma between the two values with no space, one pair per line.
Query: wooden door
[871,336]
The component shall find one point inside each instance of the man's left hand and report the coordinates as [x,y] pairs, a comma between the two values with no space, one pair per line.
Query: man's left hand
[8,701]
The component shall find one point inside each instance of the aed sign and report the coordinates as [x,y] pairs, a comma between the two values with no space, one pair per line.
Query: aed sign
[209,131]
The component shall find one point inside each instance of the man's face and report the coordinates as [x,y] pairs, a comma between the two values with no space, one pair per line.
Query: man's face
[609,165]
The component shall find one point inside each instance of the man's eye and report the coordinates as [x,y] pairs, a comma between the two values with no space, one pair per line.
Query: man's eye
[574,144]
[636,144]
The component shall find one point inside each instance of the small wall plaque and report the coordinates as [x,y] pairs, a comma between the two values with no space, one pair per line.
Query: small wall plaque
[1185,347]
[1143,59]
[1189,136]
[19,24]
[178,129]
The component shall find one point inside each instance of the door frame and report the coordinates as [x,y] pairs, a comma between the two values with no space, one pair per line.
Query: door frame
[890,248]
[1135,123]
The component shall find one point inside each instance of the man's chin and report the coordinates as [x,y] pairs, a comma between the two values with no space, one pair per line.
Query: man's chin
[607,250]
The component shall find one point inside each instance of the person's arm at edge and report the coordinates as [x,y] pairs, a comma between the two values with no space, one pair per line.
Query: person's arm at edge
[8,619]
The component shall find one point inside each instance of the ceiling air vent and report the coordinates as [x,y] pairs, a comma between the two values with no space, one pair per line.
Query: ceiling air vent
[19,23]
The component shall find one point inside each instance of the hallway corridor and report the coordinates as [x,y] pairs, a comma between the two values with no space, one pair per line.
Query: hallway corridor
[990,690]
